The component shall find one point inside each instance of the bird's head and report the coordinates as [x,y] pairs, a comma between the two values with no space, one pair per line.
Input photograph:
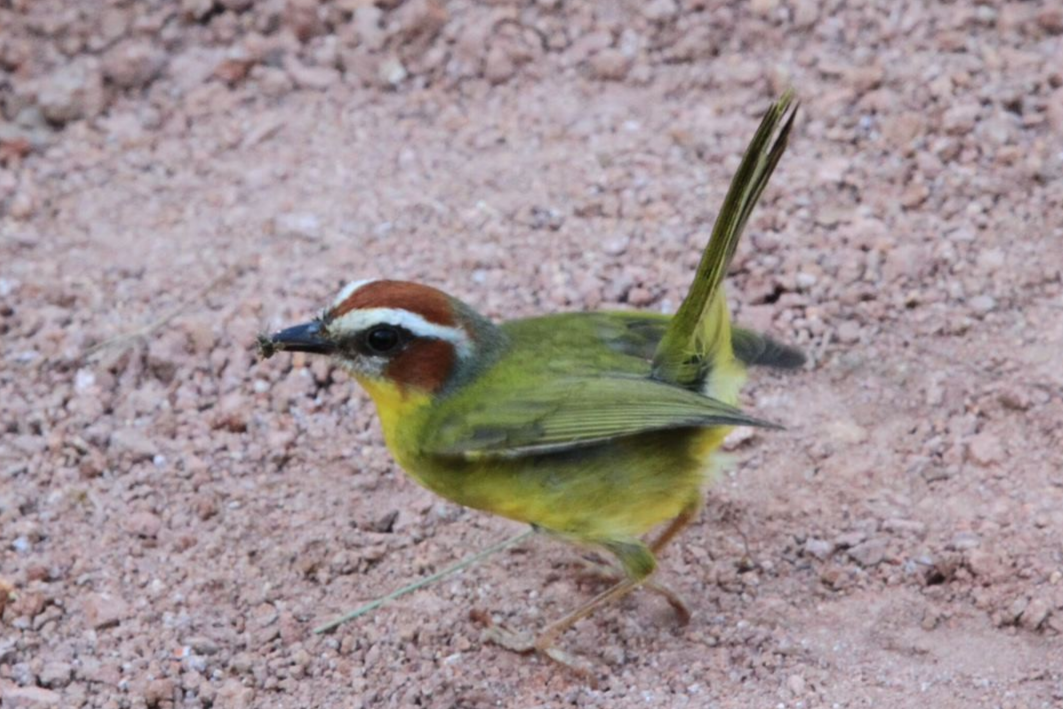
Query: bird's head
[408,335]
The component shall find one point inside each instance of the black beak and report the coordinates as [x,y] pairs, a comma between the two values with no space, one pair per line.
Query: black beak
[301,338]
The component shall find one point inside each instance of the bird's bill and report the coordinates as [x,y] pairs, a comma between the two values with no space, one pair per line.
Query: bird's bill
[307,337]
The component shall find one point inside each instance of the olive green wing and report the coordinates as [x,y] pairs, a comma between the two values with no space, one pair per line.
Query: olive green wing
[571,413]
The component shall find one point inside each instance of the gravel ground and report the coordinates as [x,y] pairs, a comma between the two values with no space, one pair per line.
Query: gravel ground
[176,177]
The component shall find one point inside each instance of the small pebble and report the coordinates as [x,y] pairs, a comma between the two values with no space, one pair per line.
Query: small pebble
[869,553]
[985,449]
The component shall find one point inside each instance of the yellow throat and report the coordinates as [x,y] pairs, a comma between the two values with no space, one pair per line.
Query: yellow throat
[398,407]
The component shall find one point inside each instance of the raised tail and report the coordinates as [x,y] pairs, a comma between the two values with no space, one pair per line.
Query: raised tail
[697,343]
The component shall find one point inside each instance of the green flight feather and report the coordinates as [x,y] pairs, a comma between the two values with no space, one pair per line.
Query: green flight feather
[758,349]
[699,332]
[573,412]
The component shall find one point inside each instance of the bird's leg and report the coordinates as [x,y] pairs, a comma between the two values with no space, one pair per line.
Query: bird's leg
[686,516]
[607,572]
[544,643]
[679,606]
[638,563]
[547,637]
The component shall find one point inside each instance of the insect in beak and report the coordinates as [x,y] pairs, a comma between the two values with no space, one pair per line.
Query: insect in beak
[307,337]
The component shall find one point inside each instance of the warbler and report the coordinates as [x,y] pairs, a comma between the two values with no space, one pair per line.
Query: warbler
[593,426]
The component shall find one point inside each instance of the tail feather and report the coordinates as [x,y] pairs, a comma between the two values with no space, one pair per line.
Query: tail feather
[758,349]
[698,337]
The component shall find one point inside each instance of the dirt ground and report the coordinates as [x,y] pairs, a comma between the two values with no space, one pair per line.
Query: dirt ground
[175,516]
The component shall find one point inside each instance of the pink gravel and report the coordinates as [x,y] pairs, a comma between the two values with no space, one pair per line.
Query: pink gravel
[175,516]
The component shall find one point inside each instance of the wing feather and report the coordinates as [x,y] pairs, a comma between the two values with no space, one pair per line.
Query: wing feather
[575,412]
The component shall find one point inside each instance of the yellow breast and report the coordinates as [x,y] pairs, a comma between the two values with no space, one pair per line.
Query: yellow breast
[401,411]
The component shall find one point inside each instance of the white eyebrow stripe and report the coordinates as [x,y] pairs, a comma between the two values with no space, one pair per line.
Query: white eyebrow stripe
[358,320]
[349,289]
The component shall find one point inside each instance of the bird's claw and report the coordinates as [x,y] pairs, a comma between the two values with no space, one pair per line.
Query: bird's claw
[522,642]
[575,663]
[525,643]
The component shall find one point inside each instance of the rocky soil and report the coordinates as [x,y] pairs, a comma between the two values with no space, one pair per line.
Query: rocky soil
[175,177]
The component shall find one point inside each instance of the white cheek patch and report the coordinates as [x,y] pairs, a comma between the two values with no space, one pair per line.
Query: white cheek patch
[372,367]
[358,320]
[349,289]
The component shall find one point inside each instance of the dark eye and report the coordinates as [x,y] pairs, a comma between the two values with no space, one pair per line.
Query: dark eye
[382,339]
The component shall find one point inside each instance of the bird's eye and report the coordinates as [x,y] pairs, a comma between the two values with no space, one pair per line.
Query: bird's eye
[382,339]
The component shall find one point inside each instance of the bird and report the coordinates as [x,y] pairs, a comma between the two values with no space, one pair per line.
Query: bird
[593,427]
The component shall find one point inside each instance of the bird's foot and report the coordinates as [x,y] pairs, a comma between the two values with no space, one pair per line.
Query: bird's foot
[525,643]
[514,640]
